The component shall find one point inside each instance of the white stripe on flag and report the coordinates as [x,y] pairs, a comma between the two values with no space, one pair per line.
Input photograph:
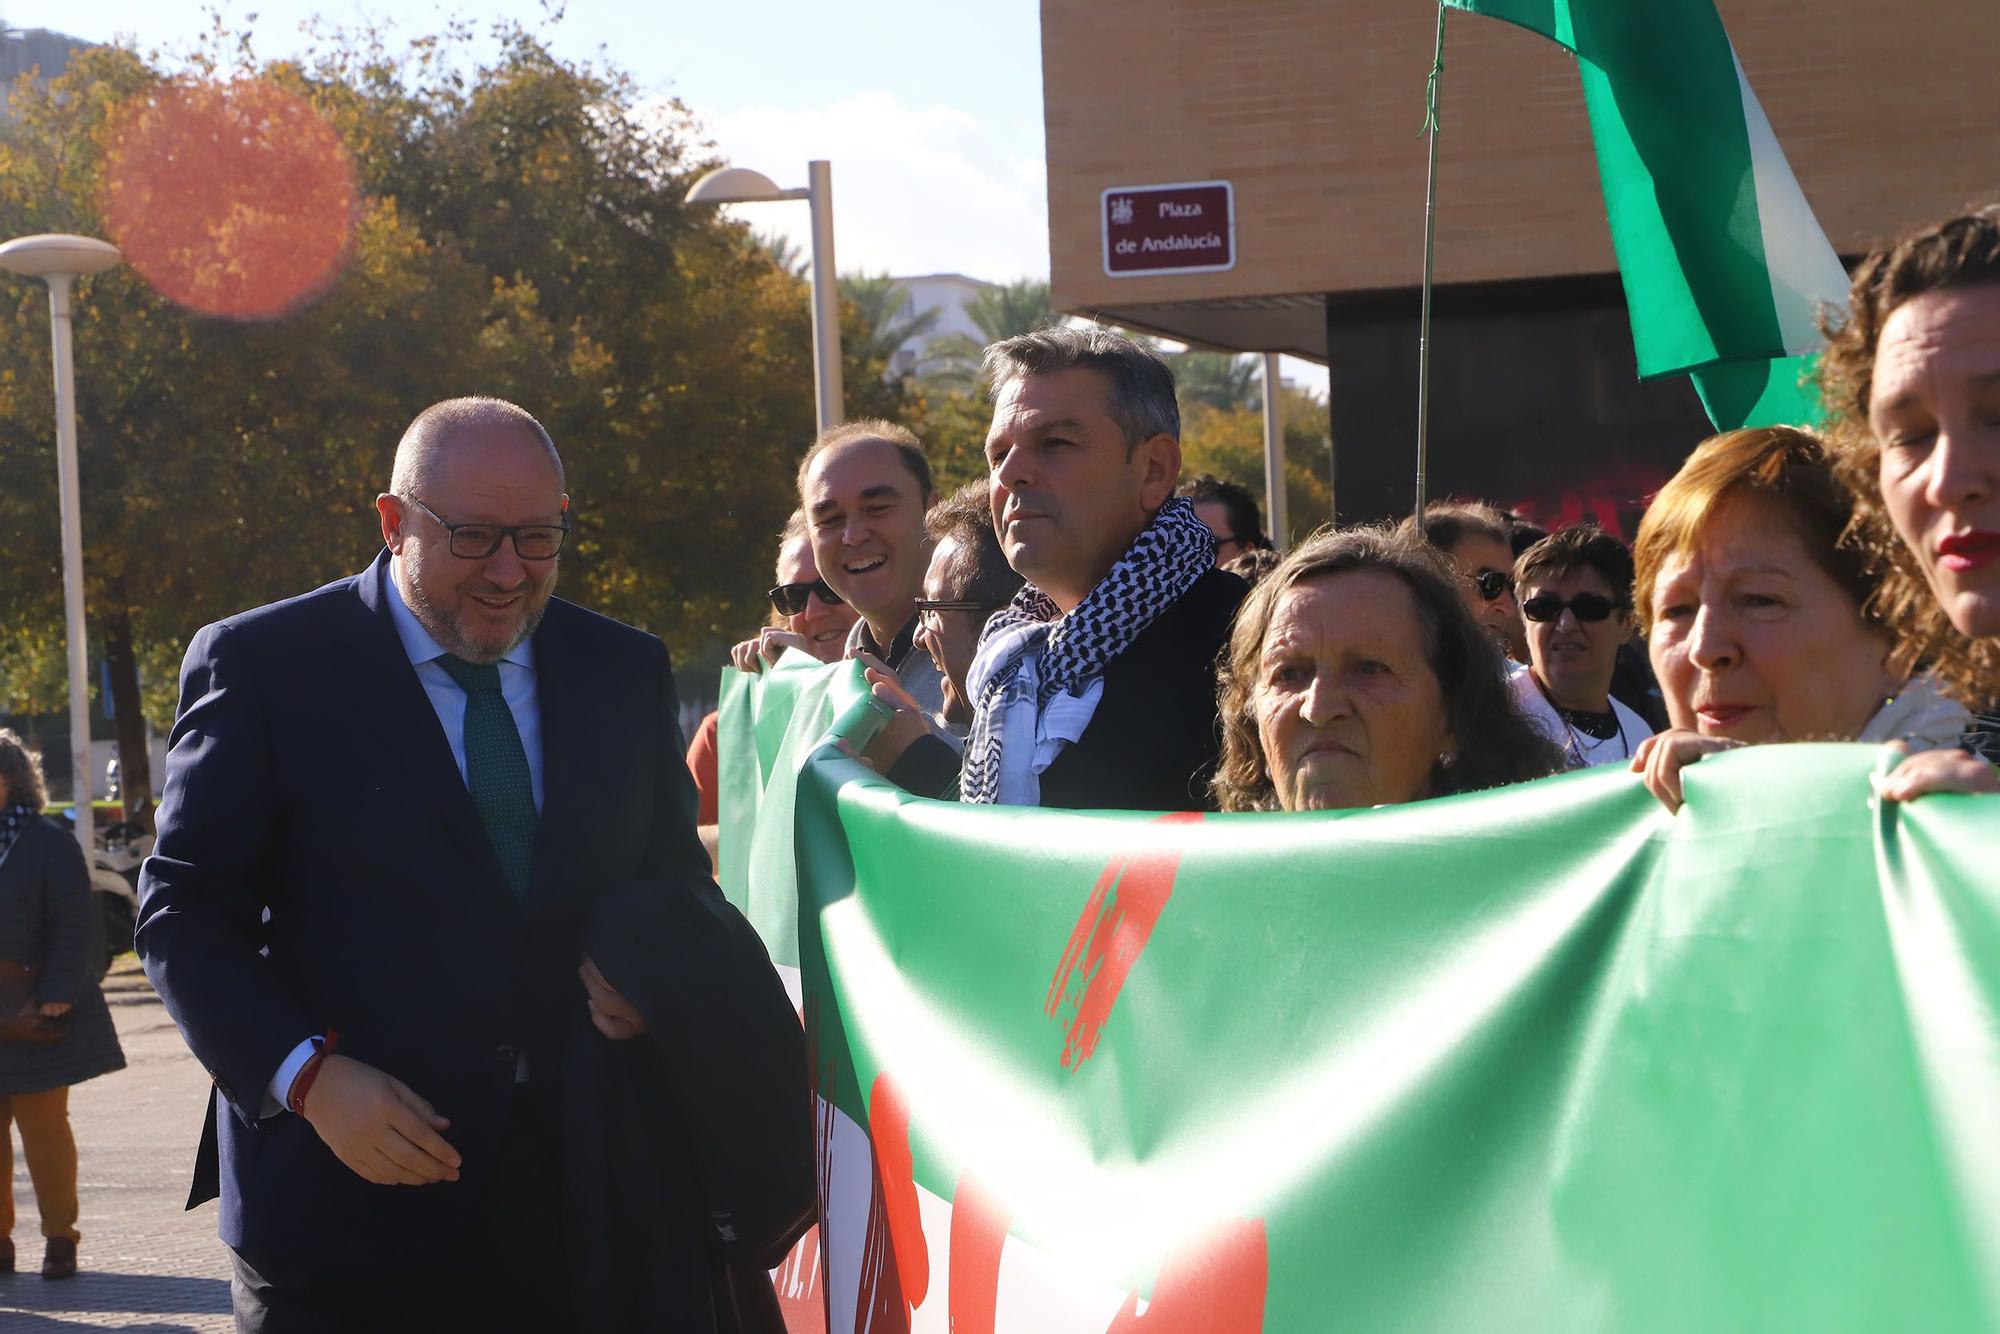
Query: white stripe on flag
[1803,268]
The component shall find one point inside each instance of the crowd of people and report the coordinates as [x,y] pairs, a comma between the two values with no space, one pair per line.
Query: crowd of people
[1117,638]
[430,899]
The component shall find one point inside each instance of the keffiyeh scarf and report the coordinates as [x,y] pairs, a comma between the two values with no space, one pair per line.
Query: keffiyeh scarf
[1039,674]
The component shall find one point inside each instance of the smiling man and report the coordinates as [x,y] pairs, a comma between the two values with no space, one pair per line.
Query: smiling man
[864,488]
[398,812]
[1576,598]
[1095,686]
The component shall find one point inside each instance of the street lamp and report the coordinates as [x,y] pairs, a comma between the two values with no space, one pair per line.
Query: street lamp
[59,260]
[740,185]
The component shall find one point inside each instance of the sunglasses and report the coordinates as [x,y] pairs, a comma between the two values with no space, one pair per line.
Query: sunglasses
[1586,606]
[1491,583]
[790,599]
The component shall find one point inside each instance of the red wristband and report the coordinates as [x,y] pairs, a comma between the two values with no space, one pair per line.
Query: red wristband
[302,1082]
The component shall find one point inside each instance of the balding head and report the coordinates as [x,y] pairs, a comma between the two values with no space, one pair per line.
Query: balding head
[462,426]
[471,475]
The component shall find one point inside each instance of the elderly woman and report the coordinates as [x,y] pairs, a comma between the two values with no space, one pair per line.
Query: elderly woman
[1758,617]
[1355,676]
[1911,380]
[46,977]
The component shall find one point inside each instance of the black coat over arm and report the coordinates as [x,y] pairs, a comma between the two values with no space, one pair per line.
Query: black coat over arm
[321,866]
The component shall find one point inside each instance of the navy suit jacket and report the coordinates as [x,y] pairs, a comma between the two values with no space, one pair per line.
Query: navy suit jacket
[308,778]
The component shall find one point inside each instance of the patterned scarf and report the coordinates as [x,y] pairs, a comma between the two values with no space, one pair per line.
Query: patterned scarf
[13,819]
[1031,652]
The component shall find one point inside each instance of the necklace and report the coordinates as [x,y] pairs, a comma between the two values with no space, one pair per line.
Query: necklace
[1575,748]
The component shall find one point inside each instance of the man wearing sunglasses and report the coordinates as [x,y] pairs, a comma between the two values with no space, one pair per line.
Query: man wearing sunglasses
[1474,535]
[426,902]
[1576,597]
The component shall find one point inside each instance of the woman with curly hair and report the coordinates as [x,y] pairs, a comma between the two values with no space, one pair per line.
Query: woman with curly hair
[1911,380]
[1356,677]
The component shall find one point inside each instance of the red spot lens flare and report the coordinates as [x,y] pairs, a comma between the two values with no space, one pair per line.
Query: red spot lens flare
[232,199]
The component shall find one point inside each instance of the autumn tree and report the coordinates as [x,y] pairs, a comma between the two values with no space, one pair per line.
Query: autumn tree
[517,229]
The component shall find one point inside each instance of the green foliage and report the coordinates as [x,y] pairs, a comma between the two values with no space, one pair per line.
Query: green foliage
[521,233]
[1222,380]
[1229,442]
[1013,308]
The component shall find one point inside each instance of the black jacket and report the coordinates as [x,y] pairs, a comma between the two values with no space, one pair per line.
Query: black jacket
[1153,743]
[309,779]
[45,910]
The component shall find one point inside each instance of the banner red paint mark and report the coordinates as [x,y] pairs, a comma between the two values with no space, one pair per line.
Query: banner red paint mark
[895,1264]
[1117,921]
[979,1221]
[1216,1287]
[800,1283]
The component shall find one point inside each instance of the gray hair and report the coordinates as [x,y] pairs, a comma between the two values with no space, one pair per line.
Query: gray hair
[1142,386]
[437,425]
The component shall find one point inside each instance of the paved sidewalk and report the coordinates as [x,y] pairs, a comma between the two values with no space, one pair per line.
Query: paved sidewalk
[147,1264]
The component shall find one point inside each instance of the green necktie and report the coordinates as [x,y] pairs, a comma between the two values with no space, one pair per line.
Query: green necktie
[496,769]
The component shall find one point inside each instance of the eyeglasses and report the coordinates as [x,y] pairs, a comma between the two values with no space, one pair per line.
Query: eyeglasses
[930,607]
[790,599]
[1587,607]
[1492,583]
[477,541]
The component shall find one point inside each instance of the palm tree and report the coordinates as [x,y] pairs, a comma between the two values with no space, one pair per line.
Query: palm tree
[1015,308]
[886,316]
[1220,379]
[784,252]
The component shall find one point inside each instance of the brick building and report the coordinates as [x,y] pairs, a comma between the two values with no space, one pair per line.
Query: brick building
[1312,109]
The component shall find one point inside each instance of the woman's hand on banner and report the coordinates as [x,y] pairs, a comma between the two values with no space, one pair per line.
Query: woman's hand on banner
[1661,758]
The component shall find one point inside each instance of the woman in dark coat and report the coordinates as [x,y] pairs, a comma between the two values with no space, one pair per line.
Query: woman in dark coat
[45,911]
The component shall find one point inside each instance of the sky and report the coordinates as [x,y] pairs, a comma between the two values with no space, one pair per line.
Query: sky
[931,114]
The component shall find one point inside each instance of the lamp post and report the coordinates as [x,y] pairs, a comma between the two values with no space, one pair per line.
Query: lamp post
[59,260]
[740,185]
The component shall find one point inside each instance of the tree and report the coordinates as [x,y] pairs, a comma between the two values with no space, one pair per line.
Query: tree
[1220,379]
[1229,442]
[1013,308]
[519,230]
[887,319]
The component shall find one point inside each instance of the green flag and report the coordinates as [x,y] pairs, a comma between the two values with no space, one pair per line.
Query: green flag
[1724,265]
[1541,1059]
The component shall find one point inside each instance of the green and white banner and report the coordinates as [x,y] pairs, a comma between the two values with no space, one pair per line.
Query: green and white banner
[1542,1059]
[1725,267]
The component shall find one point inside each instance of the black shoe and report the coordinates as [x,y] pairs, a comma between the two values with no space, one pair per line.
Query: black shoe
[6,1255]
[59,1261]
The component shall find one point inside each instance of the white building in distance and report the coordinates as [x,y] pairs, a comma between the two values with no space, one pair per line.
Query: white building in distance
[948,294]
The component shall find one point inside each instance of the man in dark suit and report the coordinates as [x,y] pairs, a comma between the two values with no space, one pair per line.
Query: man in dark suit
[396,809]
[1095,687]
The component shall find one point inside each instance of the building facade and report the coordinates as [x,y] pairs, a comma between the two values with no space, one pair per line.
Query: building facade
[1312,110]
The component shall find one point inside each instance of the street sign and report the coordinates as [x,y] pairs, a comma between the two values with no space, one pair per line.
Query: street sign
[1189,227]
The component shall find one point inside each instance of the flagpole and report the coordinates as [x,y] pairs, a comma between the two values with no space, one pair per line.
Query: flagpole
[1430,248]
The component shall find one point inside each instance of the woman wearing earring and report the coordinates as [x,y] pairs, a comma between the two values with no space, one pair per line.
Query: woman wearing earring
[1759,618]
[1356,677]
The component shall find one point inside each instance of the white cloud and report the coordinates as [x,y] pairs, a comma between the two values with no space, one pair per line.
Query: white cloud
[915,189]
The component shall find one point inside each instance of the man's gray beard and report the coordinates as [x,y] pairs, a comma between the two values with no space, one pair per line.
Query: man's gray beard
[450,635]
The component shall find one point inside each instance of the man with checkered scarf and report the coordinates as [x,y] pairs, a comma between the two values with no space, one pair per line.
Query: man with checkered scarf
[1095,687]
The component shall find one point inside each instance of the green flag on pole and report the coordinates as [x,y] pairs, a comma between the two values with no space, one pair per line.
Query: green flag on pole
[1724,265]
